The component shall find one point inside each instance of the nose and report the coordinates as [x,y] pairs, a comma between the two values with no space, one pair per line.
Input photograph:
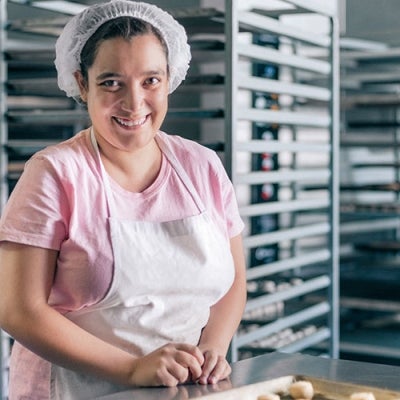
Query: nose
[133,98]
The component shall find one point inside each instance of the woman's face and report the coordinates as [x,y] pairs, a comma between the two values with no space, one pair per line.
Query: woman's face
[127,91]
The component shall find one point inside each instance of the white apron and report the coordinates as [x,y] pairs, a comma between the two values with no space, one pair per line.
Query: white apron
[166,277]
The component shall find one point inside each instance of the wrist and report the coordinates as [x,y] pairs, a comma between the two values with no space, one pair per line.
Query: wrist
[131,372]
[219,348]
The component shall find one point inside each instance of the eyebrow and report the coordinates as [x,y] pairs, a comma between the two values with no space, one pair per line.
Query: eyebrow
[107,75]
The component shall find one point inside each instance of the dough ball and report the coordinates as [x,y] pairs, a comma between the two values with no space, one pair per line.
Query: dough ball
[268,396]
[301,390]
[362,396]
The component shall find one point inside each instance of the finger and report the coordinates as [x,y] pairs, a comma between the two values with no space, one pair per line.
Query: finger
[221,371]
[215,369]
[208,366]
[211,359]
[178,372]
[166,378]
[193,350]
[181,360]
[195,372]
[191,363]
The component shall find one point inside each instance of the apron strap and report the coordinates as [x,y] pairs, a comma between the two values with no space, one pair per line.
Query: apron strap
[165,148]
[107,188]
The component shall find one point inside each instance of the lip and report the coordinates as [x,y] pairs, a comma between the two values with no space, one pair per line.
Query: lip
[130,123]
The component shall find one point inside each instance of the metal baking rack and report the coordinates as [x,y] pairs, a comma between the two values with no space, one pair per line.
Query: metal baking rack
[370,204]
[306,230]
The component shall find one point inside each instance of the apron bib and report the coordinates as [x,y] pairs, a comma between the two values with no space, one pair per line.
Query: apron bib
[166,277]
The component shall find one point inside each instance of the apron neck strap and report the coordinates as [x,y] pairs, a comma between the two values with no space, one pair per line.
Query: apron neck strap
[167,151]
[106,182]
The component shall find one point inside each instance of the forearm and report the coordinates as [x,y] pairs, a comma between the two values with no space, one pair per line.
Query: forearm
[223,322]
[53,337]
[26,276]
[225,315]
[224,319]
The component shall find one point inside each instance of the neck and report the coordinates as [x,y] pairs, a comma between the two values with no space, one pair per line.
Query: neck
[134,170]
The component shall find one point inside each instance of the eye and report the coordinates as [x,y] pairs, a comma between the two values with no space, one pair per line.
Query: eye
[153,80]
[110,84]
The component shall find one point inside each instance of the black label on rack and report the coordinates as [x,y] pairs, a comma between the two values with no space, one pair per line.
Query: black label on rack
[264,161]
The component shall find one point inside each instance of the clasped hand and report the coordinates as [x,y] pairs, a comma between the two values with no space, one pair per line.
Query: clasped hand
[174,364]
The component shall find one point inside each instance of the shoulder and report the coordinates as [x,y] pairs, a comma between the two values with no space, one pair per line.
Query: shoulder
[191,154]
[69,156]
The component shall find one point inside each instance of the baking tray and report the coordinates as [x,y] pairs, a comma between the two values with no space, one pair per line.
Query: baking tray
[323,389]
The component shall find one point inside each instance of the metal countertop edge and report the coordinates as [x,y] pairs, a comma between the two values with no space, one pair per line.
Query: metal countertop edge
[275,365]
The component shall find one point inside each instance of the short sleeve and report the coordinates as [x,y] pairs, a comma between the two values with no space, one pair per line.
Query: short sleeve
[234,222]
[37,210]
[207,172]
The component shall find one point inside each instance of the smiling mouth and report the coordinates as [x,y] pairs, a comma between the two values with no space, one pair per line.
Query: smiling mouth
[129,123]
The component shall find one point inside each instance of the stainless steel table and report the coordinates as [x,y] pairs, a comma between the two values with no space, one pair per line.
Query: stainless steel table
[275,365]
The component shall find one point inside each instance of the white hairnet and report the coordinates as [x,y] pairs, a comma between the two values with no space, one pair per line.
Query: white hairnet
[82,26]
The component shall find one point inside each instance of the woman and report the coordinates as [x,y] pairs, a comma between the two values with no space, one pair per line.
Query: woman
[120,249]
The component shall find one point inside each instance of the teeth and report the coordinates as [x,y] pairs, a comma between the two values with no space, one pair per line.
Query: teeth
[130,123]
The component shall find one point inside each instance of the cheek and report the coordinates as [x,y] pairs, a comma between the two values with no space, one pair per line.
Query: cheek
[162,100]
[100,102]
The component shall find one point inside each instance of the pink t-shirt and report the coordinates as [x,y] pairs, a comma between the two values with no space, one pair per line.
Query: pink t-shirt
[59,203]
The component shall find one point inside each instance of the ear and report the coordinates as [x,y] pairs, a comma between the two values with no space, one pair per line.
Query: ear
[82,84]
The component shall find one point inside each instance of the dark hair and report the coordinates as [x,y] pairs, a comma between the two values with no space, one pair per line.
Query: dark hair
[123,27]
